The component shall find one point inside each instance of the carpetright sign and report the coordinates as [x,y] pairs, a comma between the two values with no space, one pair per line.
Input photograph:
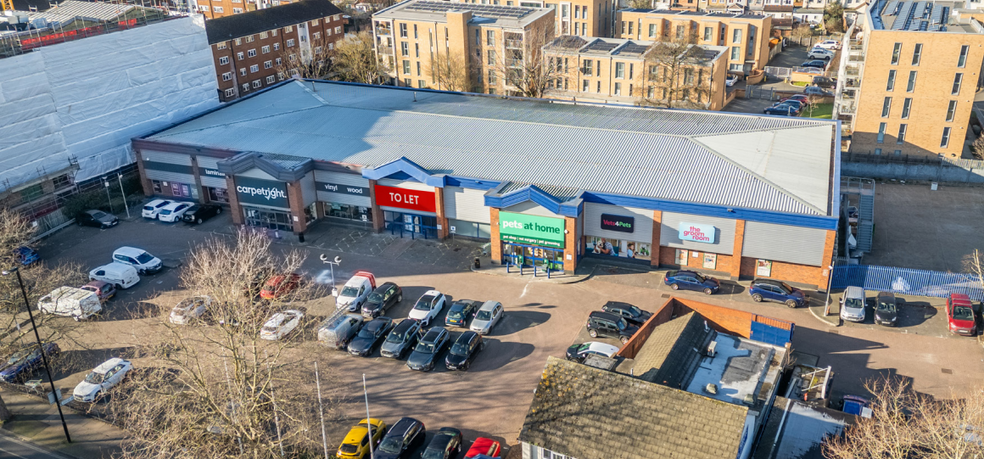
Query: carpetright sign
[697,232]
[263,192]
[532,230]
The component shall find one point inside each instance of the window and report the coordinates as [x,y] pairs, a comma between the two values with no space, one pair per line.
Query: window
[265,49]
[406,67]
[316,36]
[945,140]
[254,68]
[403,31]
[416,49]
[957,79]
[618,89]
[268,65]
[279,61]
[203,8]
[619,70]
[906,105]
[271,79]
[680,31]
[273,32]
[951,110]
[491,54]
[257,84]
[227,76]
[962,60]
[236,10]
[630,28]
[736,36]
[891,81]
[338,29]
[251,53]
[290,43]
[242,71]
[223,60]
[911,86]
[222,45]
[577,28]
[896,53]
[418,68]
[421,83]
[886,107]
[240,56]
[404,49]
[585,86]
[288,29]
[652,30]
[230,92]
[577,11]
[249,39]
[708,33]
[407,82]
[492,78]
[280,76]
[901,138]
[917,54]
[490,37]
[623,28]
[239,41]
[276,46]
[878,151]
[881,132]
[651,92]
[688,76]
[478,37]
[587,68]
[735,53]
[598,88]
[218,9]
[631,70]
[415,32]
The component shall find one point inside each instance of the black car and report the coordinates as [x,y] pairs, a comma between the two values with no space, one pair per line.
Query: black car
[816,63]
[97,218]
[824,82]
[200,212]
[369,336]
[886,309]
[610,325]
[381,299]
[446,444]
[401,339]
[689,280]
[461,312]
[425,353]
[402,439]
[464,350]
[631,313]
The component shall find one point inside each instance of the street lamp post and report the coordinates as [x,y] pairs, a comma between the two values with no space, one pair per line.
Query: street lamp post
[332,263]
[123,192]
[44,358]
[108,198]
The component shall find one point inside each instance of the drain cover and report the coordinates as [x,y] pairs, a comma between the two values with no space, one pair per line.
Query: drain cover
[946,371]
[665,295]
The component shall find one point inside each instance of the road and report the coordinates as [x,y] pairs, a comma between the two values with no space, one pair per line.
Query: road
[13,448]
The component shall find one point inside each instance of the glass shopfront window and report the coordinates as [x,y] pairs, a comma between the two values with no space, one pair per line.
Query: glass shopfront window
[269,219]
[411,225]
[529,256]
[618,248]
[175,189]
[348,212]
[217,195]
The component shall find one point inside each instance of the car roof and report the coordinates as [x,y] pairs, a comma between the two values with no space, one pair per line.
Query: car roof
[355,434]
[961,299]
[386,285]
[431,292]
[108,365]
[404,325]
[886,295]
[767,281]
[379,322]
[466,336]
[488,305]
[602,347]
[174,204]
[604,315]
[97,284]
[158,202]
[402,426]
[433,333]
[115,267]
[854,292]
[127,250]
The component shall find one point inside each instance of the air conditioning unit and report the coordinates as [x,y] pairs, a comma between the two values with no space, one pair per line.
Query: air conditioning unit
[711,349]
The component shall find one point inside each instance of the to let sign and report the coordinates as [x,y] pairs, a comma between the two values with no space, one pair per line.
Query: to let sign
[697,232]
[402,198]
[617,223]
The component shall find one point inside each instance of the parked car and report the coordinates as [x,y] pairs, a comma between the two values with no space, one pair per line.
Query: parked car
[792,107]
[731,79]
[824,82]
[153,208]
[402,439]
[776,291]
[173,212]
[816,63]
[280,285]
[960,315]
[578,352]
[487,317]
[96,218]
[631,313]
[798,105]
[355,445]
[486,446]
[828,44]
[886,309]
[76,303]
[198,213]
[355,292]
[26,361]
[464,350]
[336,332]
[425,353]
[820,53]
[461,312]
[281,324]
[816,91]
[446,444]
[799,97]
[784,110]
[690,280]
[190,309]
[852,304]
[120,275]
[380,300]
[103,290]
[402,338]
[428,307]
[144,262]
[610,325]
[26,255]
[104,377]
[371,334]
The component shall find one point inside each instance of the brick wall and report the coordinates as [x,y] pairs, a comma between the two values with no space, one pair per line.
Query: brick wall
[570,244]
[442,219]
[667,257]
[378,220]
[496,248]
[234,209]
[789,272]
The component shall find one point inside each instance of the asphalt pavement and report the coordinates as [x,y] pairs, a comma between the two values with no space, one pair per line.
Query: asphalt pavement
[14,448]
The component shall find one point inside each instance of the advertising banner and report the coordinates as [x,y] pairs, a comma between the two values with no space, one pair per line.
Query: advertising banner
[697,232]
[402,198]
[263,192]
[211,172]
[343,189]
[532,230]
[617,223]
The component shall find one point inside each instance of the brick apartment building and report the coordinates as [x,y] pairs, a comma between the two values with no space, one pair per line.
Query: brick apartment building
[214,9]
[412,38]
[746,35]
[910,76]
[254,50]
[575,17]
[623,71]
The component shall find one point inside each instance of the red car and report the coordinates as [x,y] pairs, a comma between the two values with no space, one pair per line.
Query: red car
[280,285]
[960,315]
[800,97]
[483,446]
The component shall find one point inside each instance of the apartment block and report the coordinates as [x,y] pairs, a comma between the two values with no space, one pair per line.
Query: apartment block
[908,78]
[745,35]
[257,49]
[613,70]
[213,9]
[587,18]
[437,45]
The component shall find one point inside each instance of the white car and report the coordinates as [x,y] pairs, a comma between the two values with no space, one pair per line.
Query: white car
[852,304]
[144,262]
[828,44]
[102,378]
[820,53]
[173,212]
[731,80]
[428,307]
[355,292]
[152,208]
[280,324]
[487,317]
[189,309]
[578,352]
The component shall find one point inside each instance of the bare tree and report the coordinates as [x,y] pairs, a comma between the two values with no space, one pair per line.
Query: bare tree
[977,148]
[355,60]
[641,4]
[801,32]
[523,68]
[450,72]
[676,74]
[319,65]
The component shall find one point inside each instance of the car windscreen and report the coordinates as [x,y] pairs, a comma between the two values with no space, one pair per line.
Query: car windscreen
[460,349]
[144,258]
[375,297]
[150,208]
[95,378]
[435,453]
[270,329]
[349,292]
[366,333]
[853,303]
[425,347]
[884,305]
[166,212]
[396,336]
[18,356]
[787,287]
[636,312]
[391,445]
[349,448]
[484,315]
[454,314]
[963,313]
[621,324]
[424,303]
[100,215]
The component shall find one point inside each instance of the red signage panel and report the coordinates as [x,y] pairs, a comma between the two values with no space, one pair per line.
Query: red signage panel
[402,198]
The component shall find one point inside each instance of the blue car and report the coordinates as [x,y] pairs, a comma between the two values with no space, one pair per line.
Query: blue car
[776,291]
[689,280]
[27,255]
[784,110]
[25,361]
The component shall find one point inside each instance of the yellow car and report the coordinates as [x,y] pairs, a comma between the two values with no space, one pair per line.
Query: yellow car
[356,443]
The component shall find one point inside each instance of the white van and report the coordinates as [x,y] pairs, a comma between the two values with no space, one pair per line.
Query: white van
[138,258]
[70,302]
[118,274]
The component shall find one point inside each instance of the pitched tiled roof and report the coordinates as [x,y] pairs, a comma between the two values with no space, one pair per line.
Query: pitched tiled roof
[588,413]
[253,22]
[673,350]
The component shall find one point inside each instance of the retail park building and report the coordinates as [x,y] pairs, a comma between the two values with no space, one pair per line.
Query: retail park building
[545,182]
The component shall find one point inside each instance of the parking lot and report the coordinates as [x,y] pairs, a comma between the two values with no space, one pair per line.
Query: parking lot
[542,319]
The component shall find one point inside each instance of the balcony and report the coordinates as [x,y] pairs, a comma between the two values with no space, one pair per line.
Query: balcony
[514,63]
[514,44]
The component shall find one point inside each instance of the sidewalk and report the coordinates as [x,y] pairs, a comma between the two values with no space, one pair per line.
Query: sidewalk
[37,422]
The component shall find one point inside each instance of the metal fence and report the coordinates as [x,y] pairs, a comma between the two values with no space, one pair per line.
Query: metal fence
[780,73]
[907,281]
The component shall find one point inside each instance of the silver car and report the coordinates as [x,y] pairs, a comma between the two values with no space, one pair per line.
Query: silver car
[852,304]
[487,317]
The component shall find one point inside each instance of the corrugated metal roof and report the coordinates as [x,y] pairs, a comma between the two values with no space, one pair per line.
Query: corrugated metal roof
[702,157]
[70,9]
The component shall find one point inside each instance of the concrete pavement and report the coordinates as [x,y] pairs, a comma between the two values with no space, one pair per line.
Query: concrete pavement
[36,430]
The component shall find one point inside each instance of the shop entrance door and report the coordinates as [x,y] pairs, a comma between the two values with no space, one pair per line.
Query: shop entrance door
[528,256]
[268,219]
[410,224]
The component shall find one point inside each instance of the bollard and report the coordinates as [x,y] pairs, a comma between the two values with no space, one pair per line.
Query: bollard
[478,263]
